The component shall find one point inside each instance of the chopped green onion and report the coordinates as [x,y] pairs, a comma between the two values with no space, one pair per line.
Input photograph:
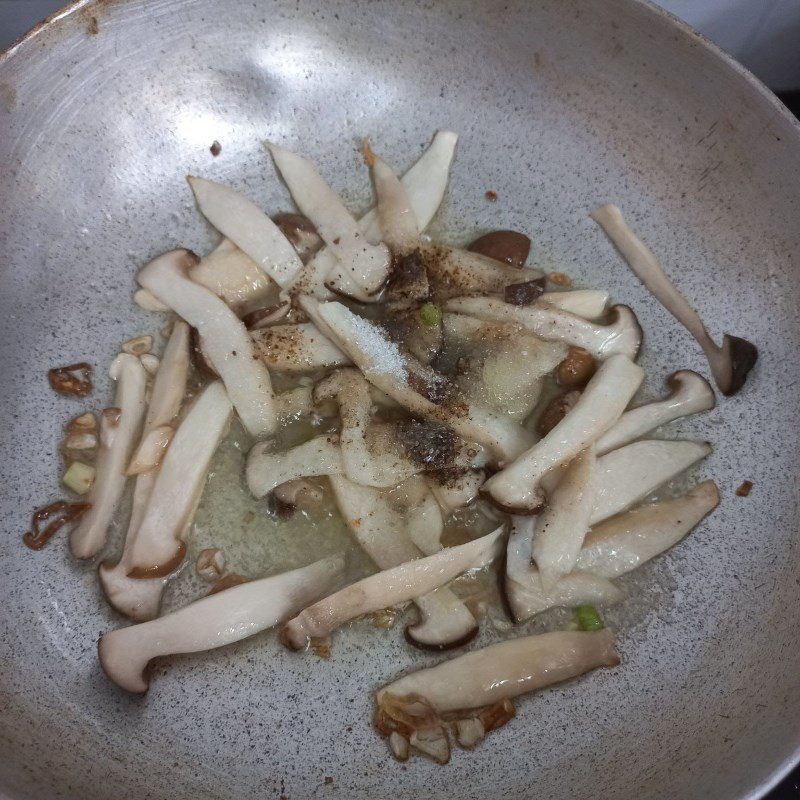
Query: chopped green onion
[430,315]
[79,477]
[588,618]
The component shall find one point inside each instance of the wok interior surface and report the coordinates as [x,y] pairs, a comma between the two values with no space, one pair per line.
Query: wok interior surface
[560,106]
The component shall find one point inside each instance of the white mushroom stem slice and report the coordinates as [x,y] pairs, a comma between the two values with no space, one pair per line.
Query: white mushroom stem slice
[232,275]
[453,272]
[224,338]
[458,492]
[151,450]
[296,348]
[389,370]
[364,464]
[367,264]
[424,521]
[730,363]
[396,217]
[561,527]
[528,597]
[627,476]
[622,335]
[147,301]
[169,385]
[136,598]
[119,428]
[425,182]
[690,393]
[383,532]
[247,226]
[505,670]
[389,588]
[267,469]
[587,303]
[524,592]
[214,621]
[627,541]
[158,546]
[517,486]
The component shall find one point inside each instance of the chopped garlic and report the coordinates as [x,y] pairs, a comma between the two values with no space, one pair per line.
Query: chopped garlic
[79,477]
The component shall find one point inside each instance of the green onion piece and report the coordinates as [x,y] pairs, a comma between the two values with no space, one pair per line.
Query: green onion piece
[430,315]
[79,477]
[588,618]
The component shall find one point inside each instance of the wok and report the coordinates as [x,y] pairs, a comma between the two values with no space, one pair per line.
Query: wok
[561,105]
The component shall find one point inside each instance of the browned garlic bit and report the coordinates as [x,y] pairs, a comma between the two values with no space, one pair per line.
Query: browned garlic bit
[150,363]
[138,346]
[73,380]
[210,564]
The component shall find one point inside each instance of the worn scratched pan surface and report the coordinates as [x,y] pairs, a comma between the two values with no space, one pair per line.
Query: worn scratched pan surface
[560,105]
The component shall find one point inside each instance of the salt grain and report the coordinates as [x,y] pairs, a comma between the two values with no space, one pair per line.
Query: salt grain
[384,355]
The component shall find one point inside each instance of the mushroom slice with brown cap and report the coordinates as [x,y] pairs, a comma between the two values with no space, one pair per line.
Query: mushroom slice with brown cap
[214,621]
[266,469]
[507,246]
[364,464]
[224,338]
[690,393]
[158,547]
[397,375]
[232,275]
[626,476]
[587,303]
[561,527]
[517,486]
[296,493]
[300,231]
[622,335]
[382,530]
[246,225]
[119,427]
[495,673]
[366,264]
[627,541]
[425,183]
[136,598]
[296,348]
[389,588]
[731,363]
[453,272]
